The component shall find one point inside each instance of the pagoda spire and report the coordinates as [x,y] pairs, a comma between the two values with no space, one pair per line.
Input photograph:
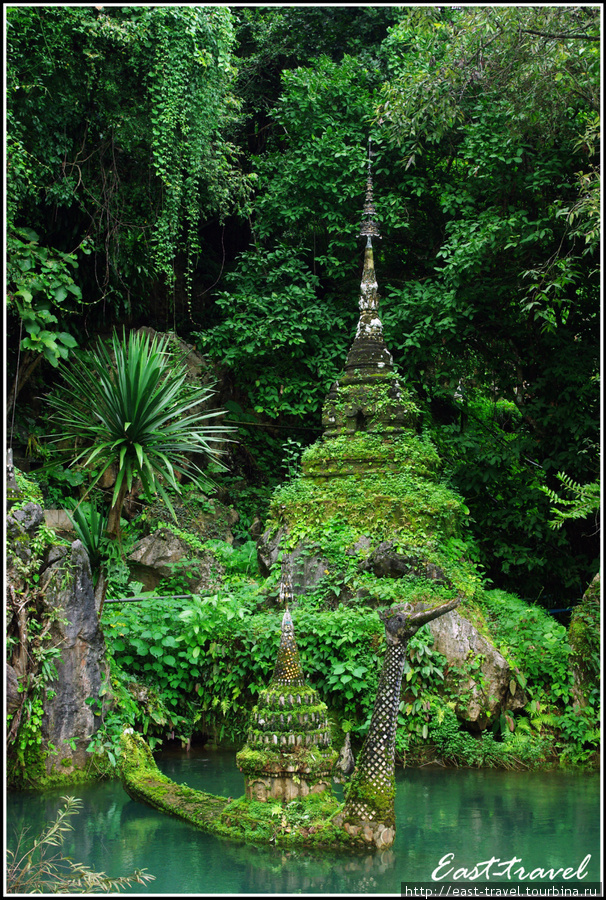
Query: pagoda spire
[288,667]
[369,227]
[369,355]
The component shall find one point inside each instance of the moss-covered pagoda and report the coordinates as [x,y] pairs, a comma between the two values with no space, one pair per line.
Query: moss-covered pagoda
[289,752]
[374,470]
[289,759]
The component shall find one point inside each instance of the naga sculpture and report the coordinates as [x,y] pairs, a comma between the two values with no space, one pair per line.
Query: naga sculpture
[368,817]
[369,809]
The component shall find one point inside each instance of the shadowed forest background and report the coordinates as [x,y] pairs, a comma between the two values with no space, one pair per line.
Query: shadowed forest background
[201,170]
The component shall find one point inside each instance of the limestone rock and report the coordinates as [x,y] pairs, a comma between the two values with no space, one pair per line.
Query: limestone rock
[208,519]
[30,517]
[489,693]
[17,543]
[268,549]
[55,553]
[385,562]
[584,638]
[346,762]
[153,556]
[13,699]
[207,573]
[256,529]
[159,550]
[307,567]
[58,520]
[82,669]
[217,523]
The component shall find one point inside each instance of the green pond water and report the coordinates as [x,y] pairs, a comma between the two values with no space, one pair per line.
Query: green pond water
[545,819]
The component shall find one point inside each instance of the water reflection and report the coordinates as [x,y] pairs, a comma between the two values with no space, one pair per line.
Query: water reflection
[547,819]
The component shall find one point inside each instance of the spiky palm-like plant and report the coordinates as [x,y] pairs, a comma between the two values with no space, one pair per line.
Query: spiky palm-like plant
[90,527]
[135,412]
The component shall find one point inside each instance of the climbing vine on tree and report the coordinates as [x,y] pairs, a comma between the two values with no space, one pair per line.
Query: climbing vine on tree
[189,83]
[116,119]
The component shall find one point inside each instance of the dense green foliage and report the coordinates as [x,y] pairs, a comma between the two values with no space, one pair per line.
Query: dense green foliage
[208,659]
[114,121]
[201,169]
[219,188]
[29,648]
[203,663]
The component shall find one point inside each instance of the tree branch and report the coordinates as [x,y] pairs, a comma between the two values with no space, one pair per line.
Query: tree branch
[564,37]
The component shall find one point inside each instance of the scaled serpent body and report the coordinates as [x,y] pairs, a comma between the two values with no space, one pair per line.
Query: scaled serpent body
[370,807]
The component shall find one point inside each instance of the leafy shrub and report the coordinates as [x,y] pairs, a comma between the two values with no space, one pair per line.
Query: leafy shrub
[532,640]
[205,660]
[488,452]
[214,654]
[240,560]
[460,748]
[90,526]
[136,414]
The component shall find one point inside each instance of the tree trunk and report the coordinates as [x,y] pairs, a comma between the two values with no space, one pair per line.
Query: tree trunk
[100,592]
[113,522]
[29,364]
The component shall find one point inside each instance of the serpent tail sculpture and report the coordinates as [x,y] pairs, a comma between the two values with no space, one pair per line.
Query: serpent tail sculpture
[369,812]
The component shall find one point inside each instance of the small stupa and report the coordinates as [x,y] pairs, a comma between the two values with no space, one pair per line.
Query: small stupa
[288,753]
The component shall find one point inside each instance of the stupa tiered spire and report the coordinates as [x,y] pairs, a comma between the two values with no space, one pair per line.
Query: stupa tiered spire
[368,355]
[287,671]
[369,227]
[288,753]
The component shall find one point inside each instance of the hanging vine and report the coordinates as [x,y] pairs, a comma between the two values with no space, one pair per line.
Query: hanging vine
[117,118]
[189,93]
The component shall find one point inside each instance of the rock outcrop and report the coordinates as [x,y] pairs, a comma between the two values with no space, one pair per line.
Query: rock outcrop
[584,638]
[154,558]
[488,690]
[58,643]
[76,696]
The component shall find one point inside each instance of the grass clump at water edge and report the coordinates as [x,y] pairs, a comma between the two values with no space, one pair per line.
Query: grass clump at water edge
[39,870]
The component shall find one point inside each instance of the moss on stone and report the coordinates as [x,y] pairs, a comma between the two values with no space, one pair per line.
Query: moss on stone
[372,403]
[143,781]
[380,505]
[313,761]
[584,639]
[361,452]
[304,822]
[381,801]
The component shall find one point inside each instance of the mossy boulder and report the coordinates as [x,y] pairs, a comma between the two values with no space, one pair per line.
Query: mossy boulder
[584,638]
[483,679]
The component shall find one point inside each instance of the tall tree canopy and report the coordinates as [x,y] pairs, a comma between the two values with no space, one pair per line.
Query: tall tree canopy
[116,144]
[202,168]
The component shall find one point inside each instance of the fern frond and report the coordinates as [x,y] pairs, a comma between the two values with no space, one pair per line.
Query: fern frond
[585,500]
